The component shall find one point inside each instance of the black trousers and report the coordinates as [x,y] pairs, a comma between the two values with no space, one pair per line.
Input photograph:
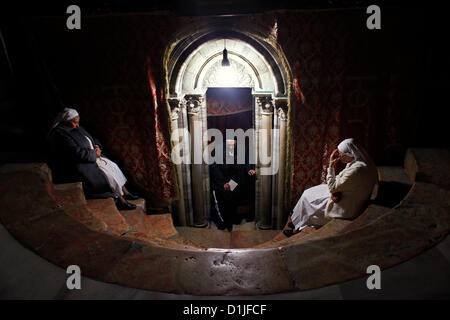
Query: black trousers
[225,208]
[224,212]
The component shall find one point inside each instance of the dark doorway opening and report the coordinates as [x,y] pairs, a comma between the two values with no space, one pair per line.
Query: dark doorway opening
[231,108]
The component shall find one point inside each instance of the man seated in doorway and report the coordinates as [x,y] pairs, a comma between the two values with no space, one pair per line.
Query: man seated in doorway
[76,156]
[231,185]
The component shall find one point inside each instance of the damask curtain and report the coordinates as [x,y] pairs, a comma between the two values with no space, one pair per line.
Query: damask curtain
[314,44]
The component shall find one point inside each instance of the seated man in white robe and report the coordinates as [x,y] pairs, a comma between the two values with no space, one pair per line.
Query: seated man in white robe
[344,195]
[77,156]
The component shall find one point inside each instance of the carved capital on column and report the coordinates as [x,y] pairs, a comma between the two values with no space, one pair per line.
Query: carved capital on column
[175,105]
[265,102]
[282,114]
[193,103]
[281,106]
[175,114]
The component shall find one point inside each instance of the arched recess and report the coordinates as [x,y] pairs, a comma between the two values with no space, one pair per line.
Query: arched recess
[193,65]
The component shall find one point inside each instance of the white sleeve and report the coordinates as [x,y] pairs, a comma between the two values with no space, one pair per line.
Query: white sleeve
[342,182]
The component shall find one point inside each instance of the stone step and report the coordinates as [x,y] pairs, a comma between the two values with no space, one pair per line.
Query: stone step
[106,211]
[69,194]
[281,238]
[146,239]
[332,227]
[50,225]
[70,199]
[136,226]
[158,225]
[307,233]
[140,203]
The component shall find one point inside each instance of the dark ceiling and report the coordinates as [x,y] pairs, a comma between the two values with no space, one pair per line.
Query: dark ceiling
[183,7]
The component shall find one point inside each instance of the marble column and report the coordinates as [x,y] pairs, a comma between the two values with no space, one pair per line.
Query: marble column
[265,104]
[281,216]
[178,205]
[194,105]
[183,123]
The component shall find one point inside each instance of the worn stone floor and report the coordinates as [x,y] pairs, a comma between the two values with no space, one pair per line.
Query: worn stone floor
[25,275]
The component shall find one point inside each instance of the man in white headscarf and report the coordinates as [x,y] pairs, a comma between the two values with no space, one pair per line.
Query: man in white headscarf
[77,156]
[344,195]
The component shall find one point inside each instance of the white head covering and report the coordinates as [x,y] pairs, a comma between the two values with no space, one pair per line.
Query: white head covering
[349,148]
[66,115]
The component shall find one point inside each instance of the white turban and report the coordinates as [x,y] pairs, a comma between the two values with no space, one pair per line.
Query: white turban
[349,148]
[66,115]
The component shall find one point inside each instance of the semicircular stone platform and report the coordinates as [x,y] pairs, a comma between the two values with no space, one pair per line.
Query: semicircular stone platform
[144,251]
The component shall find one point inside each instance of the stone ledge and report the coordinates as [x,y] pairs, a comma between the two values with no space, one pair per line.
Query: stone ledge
[251,238]
[393,174]
[209,272]
[418,222]
[428,165]
[208,238]
[211,238]
[372,213]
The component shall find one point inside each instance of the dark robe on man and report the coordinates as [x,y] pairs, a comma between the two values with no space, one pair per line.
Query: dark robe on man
[224,214]
[72,160]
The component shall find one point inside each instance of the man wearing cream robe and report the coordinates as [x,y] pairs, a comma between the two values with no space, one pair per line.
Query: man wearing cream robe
[344,195]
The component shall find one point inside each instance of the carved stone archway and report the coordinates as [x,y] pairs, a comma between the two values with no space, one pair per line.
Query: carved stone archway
[193,67]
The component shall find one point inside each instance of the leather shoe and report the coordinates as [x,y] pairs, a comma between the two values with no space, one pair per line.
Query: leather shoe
[125,206]
[291,225]
[220,226]
[130,196]
[289,233]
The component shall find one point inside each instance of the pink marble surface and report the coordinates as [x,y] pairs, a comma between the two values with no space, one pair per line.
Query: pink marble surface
[159,225]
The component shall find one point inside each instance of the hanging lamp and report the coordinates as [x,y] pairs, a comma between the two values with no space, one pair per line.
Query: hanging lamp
[225,61]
